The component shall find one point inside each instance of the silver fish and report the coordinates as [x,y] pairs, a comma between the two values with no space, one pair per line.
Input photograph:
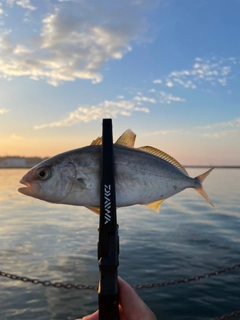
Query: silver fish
[143,175]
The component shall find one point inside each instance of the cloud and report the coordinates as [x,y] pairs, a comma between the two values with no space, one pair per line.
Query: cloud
[169,84]
[152,90]
[106,109]
[16,137]
[25,4]
[157,81]
[75,41]
[210,131]
[233,123]
[215,130]
[2,111]
[167,132]
[221,134]
[169,98]
[144,99]
[10,2]
[211,71]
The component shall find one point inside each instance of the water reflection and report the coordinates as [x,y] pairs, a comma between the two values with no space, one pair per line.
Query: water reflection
[59,243]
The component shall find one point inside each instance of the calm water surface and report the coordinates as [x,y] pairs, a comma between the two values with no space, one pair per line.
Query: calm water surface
[59,243]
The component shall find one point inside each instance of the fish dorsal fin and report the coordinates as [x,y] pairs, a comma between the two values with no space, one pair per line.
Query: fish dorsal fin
[164,156]
[127,139]
[155,206]
[96,142]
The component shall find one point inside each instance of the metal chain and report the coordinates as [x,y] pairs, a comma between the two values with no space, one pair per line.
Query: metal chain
[48,283]
[186,280]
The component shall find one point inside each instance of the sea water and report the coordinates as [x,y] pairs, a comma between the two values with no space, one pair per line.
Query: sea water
[59,243]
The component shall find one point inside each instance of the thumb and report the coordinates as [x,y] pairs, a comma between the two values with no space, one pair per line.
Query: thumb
[132,305]
[93,316]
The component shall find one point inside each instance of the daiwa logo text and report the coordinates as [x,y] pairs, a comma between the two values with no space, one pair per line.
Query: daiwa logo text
[107,203]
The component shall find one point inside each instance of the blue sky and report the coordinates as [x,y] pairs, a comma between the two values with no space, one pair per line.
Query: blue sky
[167,69]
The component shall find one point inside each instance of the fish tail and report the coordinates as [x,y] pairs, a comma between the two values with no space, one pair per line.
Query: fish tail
[200,190]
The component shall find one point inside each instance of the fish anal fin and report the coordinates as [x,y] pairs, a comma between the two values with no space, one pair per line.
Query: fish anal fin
[127,139]
[94,209]
[163,155]
[155,206]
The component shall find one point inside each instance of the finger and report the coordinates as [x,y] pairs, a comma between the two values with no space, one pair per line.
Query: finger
[93,316]
[133,306]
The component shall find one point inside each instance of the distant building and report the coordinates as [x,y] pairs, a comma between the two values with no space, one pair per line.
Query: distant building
[19,162]
[12,162]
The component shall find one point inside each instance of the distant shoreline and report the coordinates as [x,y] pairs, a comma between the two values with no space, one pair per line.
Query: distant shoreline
[17,162]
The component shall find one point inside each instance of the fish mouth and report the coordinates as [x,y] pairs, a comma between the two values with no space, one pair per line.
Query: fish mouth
[26,189]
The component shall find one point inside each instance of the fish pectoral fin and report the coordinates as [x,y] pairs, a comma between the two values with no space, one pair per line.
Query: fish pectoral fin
[155,206]
[81,181]
[94,209]
[127,139]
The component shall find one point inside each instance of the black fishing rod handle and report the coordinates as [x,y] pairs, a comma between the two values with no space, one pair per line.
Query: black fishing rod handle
[108,245]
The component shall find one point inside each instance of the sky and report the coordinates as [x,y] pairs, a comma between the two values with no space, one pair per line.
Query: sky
[168,69]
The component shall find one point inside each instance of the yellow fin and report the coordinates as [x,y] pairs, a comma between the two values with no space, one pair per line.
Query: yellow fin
[127,139]
[96,142]
[164,156]
[155,206]
[94,209]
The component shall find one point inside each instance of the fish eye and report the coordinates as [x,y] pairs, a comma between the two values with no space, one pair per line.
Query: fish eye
[43,173]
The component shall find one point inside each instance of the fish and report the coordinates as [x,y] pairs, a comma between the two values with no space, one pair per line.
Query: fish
[144,175]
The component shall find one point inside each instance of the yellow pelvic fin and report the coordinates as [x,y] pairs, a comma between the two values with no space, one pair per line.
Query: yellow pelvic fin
[127,139]
[164,156]
[201,190]
[155,206]
[94,209]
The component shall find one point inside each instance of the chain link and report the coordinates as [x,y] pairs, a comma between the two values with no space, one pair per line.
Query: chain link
[48,283]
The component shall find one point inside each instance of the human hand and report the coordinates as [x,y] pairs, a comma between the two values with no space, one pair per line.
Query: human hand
[131,306]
